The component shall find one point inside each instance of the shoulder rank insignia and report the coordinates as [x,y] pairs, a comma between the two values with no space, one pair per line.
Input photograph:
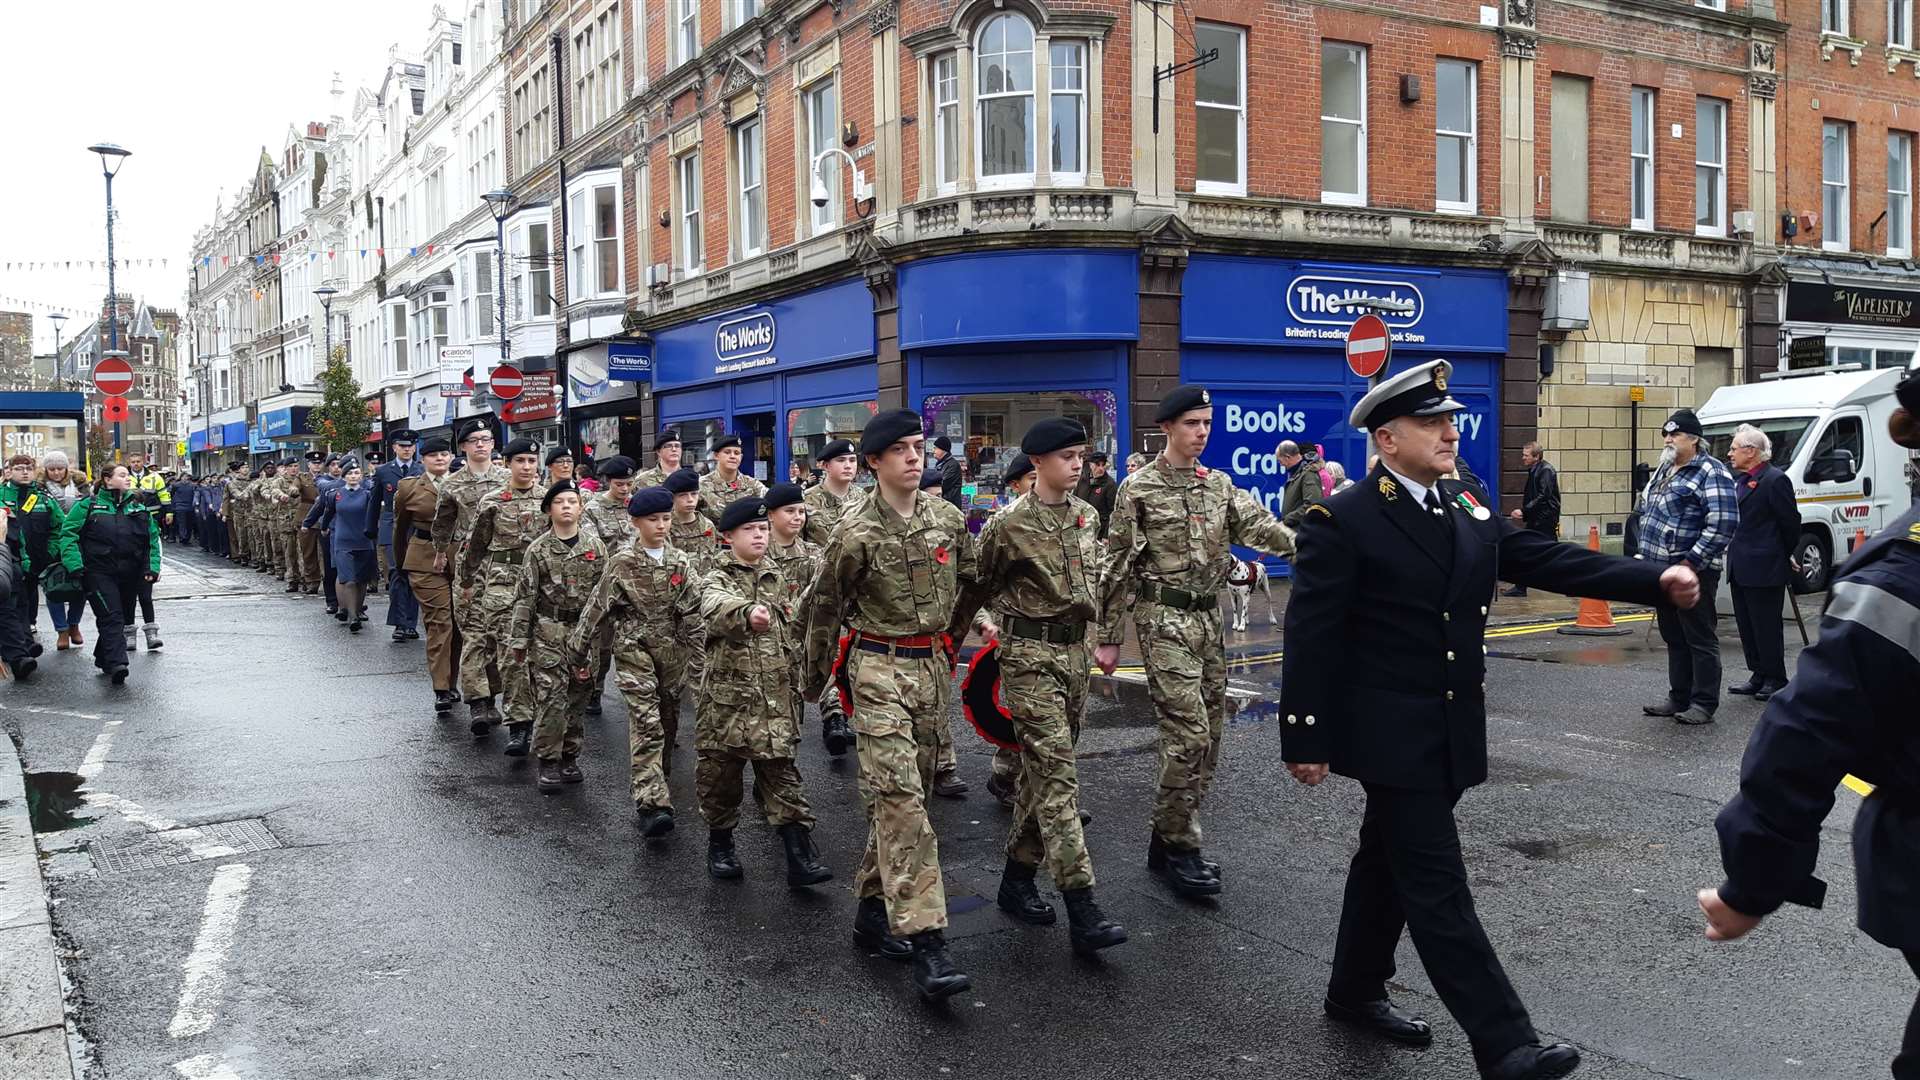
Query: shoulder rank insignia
[1388,489]
[1318,508]
[1913,532]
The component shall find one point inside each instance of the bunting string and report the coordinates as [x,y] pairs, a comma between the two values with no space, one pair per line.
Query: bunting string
[83,265]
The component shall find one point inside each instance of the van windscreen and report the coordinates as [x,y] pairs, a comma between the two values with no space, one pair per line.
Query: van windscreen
[1785,431]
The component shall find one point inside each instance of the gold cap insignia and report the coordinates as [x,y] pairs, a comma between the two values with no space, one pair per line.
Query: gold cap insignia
[1440,379]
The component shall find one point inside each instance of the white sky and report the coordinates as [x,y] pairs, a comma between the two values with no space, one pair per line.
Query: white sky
[194,90]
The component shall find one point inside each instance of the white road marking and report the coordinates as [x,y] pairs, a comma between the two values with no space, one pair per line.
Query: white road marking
[42,711]
[131,810]
[96,758]
[205,973]
[205,1067]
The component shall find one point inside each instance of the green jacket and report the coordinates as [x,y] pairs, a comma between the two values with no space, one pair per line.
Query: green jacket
[35,513]
[111,532]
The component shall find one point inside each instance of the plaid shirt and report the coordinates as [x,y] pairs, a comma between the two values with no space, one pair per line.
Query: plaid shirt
[1692,517]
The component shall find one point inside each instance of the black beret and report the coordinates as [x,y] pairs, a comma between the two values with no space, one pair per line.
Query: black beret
[725,441]
[888,428]
[564,487]
[835,449]
[649,501]
[615,468]
[1182,399]
[403,437]
[436,445]
[741,512]
[315,455]
[472,427]
[1683,422]
[668,436]
[521,446]
[681,481]
[930,479]
[1018,466]
[780,495]
[1053,433]
[559,453]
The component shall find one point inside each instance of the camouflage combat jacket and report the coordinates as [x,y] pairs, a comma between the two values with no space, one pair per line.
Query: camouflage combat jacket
[460,493]
[717,494]
[825,509]
[609,518]
[747,705]
[700,539]
[504,525]
[1037,562]
[556,581]
[655,606]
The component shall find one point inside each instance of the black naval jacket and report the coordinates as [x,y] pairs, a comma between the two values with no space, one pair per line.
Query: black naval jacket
[1849,709]
[1385,666]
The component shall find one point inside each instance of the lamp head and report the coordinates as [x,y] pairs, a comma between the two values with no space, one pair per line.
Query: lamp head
[111,156]
[497,201]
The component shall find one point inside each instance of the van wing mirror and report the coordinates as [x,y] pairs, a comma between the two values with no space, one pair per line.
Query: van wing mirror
[1834,465]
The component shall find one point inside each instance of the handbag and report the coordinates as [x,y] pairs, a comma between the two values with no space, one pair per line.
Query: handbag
[58,583]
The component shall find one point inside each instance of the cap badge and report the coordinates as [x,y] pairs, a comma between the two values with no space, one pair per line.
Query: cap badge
[1440,379]
[1206,398]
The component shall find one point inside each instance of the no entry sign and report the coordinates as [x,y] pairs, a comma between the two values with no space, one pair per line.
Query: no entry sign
[505,382]
[1368,345]
[113,376]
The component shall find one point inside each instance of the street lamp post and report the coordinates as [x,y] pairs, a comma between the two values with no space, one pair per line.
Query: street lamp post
[326,293]
[58,320]
[498,201]
[111,158]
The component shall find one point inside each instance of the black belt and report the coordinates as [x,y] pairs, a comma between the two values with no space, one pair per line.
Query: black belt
[888,648]
[1180,599]
[511,558]
[423,534]
[1054,633]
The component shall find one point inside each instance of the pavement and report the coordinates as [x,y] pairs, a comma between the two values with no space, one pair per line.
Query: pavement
[267,859]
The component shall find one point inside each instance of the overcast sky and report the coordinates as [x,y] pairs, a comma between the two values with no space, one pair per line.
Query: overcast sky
[194,91]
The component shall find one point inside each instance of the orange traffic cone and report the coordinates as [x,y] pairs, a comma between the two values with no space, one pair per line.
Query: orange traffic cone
[1595,619]
[1859,538]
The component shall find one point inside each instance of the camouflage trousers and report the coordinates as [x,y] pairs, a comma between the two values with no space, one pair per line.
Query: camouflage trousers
[286,545]
[484,663]
[718,780]
[648,682]
[1044,688]
[265,552]
[558,701]
[899,706]
[1187,680]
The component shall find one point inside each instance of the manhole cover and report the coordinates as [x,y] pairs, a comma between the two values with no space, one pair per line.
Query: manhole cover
[174,847]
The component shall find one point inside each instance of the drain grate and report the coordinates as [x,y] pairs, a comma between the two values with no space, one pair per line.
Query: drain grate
[175,847]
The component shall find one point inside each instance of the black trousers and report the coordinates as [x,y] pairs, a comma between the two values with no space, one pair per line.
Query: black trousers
[14,641]
[143,599]
[1757,611]
[1693,649]
[329,578]
[1907,1065]
[113,599]
[1409,874]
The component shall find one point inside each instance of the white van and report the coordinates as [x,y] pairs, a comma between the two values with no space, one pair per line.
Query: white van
[1829,432]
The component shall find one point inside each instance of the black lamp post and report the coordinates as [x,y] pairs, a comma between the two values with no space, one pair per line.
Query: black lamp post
[59,320]
[111,158]
[498,201]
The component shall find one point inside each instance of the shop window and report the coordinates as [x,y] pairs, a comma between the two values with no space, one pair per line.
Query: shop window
[946,97]
[1003,86]
[992,426]
[1641,157]
[1836,203]
[750,208]
[1709,167]
[1568,151]
[1900,195]
[1220,112]
[1343,124]
[1067,109]
[820,112]
[1455,126]
[810,430]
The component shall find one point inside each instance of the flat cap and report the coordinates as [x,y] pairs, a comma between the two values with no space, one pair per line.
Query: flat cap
[564,487]
[649,501]
[725,441]
[742,512]
[436,445]
[403,437]
[780,495]
[838,448]
[1018,466]
[1181,400]
[315,455]
[615,468]
[559,453]
[521,446]
[887,428]
[1051,434]
[1418,391]
[681,481]
[1682,422]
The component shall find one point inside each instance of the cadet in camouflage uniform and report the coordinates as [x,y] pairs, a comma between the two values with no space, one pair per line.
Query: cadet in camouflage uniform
[748,708]
[691,531]
[666,461]
[829,500]
[799,561]
[233,512]
[283,527]
[1016,481]
[1039,562]
[562,567]
[606,514]
[649,596]
[1167,552]
[485,577]
[891,573]
[303,552]
[946,760]
[721,487]
[460,495]
[264,510]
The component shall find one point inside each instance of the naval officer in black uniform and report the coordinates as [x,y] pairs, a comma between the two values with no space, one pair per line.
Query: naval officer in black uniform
[1849,709]
[1399,569]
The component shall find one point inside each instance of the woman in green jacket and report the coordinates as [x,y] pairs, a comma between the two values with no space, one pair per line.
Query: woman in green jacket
[110,540]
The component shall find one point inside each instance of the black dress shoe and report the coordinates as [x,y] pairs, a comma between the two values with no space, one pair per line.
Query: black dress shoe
[1767,690]
[1745,689]
[1383,1018]
[1664,708]
[1534,1062]
[870,930]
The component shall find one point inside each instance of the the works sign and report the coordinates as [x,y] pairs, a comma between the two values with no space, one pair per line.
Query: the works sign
[1323,306]
[744,343]
[1816,302]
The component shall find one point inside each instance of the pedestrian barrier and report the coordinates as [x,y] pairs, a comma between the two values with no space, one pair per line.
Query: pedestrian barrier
[1595,618]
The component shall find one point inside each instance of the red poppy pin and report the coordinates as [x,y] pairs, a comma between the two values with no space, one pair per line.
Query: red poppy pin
[675,579]
[506,496]
[589,556]
[1080,521]
[1199,470]
[709,532]
[940,556]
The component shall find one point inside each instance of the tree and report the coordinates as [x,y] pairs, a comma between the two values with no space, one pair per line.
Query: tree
[99,450]
[340,419]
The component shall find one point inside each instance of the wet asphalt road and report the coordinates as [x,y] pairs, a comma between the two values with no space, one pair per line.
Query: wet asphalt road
[429,913]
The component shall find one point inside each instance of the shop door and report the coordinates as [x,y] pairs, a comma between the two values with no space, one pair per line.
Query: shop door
[756,441]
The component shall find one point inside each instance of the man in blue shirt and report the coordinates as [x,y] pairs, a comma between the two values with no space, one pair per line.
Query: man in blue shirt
[1689,515]
[403,610]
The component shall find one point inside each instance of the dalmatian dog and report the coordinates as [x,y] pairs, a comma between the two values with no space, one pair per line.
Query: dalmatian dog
[1242,579]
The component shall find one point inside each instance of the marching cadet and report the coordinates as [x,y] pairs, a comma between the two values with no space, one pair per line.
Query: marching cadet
[606,514]
[650,596]
[488,571]
[829,500]
[403,607]
[691,531]
[415,499]
[559,466]
[1401,568]
[1002,782]
[666,457]
[891,573]
[1167,543]
[748,710]
[262,514]
[1038,566]
[304,545]
[799,561]
[946,760]
[237,483]
[287,512]
[1849,709]
[562,567]
[725,484]
[460,495]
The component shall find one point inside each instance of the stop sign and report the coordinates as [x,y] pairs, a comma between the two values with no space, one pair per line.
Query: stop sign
[504,383]
[1368,344]
[113,376]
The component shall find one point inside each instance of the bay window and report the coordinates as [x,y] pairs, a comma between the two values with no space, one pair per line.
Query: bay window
[593,266]
[429,311]
[1067,108]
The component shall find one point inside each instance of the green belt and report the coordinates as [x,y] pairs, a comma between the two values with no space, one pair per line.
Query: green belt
[511,558]
[555,611]
[1054,633]
[1180,599]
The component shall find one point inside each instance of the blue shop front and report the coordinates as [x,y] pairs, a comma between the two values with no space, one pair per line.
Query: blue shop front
[994,341]
[788,376]
[1268,337]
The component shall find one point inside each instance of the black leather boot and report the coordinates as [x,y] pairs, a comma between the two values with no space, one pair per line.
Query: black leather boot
[481,716]
[1020,898]
[519,739]
[549,778]
[654,821]
[870,930]
[443,701]
[721,860]
[1091,930]
[933,972]
[1181,868]
[834,727]
[803,868]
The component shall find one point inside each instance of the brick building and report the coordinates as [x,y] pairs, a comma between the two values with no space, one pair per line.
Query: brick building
[152,339]
[16,350]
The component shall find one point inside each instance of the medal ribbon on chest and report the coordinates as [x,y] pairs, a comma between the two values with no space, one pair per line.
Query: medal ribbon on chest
[1472,506]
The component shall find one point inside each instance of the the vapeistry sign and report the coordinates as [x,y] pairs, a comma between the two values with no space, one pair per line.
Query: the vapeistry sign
[1817,302]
